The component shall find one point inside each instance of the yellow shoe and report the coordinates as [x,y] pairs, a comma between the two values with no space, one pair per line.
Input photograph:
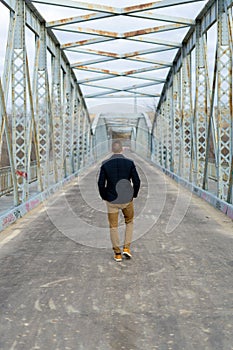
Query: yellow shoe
[127,253]
[117,256]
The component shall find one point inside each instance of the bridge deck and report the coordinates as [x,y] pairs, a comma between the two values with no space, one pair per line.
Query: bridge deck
[61,289]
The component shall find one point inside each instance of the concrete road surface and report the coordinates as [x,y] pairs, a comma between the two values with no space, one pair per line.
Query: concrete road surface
[61,289]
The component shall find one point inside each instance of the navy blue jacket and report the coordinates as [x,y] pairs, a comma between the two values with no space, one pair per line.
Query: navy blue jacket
[117,175]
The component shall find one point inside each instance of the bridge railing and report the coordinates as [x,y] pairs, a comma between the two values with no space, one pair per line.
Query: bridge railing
[6,181]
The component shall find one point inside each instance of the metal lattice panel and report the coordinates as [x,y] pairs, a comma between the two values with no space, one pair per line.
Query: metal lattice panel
[224,117]
[19,112]
[42,108]
[176,119]
[57,115]
[201,113]
[67,123]
[187,113]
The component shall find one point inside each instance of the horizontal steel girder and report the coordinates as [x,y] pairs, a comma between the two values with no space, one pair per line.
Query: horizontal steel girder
[117,35]
[114,10]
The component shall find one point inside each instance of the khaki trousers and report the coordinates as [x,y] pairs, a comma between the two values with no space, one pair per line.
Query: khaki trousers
[128,212]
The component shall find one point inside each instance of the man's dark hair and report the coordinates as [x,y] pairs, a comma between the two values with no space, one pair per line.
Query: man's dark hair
[117,146]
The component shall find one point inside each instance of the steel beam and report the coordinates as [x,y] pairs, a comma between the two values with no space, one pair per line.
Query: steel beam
[142,77]
[57,115]
[77,19]
[121,74]
[115,90]
[19,101]
[187,115]
[224,107]
[107,95]
[164,18]
[42,107]
[84,42]
[67,123]
[201,106]
[80,5]
[176,124]
[120,11]
[156,5]
[131,87]
[118,35]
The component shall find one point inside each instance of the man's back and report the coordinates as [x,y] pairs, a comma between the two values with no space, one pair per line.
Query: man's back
[115,180]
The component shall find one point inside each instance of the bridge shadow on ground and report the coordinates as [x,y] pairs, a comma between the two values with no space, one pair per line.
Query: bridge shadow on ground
[61,288]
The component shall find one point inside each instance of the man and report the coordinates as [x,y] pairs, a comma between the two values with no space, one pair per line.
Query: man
[115,188]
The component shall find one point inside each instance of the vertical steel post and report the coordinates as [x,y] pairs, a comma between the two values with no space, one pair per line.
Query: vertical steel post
[57,114]
[81,132]
[159,138]
[168,122]
[164,132]
[42,107]
[84,137]
[75,131]
[201,113]
[19,107]
[176,131]
[186,117]
[224,107]
[67,123]
[72,115]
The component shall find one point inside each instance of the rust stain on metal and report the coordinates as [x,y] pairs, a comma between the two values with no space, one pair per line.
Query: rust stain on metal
[132,54]
[97,31]
[60,21]
[82,42]
[141,31]
[72,19]
[69,44]
[138,7]
[152,30]
[103,53]
[65,20]
[105,71]
[89,16]
[106,8]
[131,72]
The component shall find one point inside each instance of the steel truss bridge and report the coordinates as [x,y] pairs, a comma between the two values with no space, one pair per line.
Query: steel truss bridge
[44,90]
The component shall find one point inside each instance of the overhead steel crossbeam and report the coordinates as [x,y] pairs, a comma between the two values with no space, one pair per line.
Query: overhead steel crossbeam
[114,10]
[143,60]
[119,122]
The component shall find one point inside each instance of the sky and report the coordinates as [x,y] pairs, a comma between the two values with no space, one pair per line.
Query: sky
[120,24]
